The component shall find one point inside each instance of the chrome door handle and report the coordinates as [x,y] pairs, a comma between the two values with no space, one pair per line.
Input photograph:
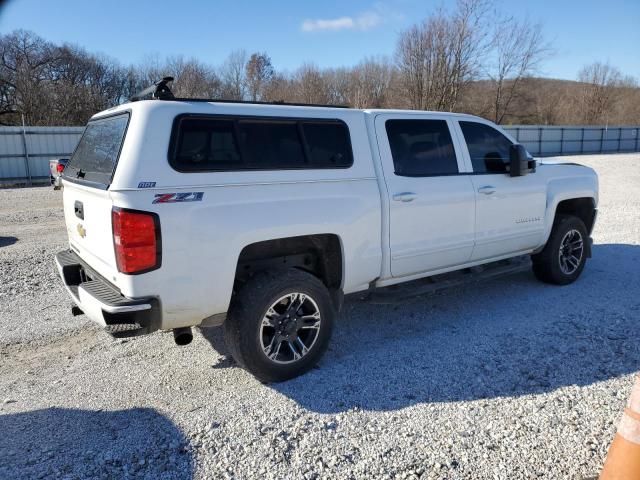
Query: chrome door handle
[405,197]
[487,189]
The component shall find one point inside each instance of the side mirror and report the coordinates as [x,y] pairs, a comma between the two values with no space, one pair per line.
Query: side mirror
[519,161]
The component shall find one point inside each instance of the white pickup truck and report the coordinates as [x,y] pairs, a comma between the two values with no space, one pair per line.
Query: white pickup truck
[261,217]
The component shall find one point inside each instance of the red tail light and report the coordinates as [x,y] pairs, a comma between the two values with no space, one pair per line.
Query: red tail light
[59,167]
[136,240]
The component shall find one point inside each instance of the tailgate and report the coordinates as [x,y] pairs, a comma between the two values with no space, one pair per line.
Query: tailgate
[87,213]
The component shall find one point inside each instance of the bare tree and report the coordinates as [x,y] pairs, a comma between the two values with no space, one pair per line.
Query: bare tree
[438,66]
[49,84]
[370,82]
[518,48]
[279,89]
[150,70]
[469,33]
[628,105]
[362,86]
[439,57]
[193,79]
[310,85]
[27,64]
[544,102]
[259,73]
[413,64]
[232,74]
[337,84]
[84,84]
[597,96]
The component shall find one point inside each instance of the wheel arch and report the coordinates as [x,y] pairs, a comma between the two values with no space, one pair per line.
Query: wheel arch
[319,254]
[583,207]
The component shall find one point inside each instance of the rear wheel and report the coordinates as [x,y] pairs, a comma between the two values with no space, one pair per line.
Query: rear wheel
[279,324]
[563,258]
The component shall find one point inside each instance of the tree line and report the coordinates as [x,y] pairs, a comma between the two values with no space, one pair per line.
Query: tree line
[470,59]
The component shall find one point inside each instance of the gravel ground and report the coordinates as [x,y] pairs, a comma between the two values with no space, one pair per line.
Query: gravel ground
[508,379]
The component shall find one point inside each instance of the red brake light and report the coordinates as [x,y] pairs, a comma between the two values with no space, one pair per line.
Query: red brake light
[59,167]
[136,240]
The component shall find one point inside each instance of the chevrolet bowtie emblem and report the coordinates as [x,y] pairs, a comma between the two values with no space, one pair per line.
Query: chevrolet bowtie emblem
[81,231]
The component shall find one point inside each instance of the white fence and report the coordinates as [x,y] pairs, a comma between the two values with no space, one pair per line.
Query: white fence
[575,140]
[25,153]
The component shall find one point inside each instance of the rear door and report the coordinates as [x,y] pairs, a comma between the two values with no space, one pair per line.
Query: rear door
[87,203]
[510,211]
[431,204]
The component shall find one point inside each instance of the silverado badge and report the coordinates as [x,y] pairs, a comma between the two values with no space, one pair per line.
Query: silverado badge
[81,231]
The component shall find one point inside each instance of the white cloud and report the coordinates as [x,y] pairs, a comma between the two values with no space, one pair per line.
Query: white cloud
[364,21]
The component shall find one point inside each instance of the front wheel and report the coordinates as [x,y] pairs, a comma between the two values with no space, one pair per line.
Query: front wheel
[279,324]
[563,258]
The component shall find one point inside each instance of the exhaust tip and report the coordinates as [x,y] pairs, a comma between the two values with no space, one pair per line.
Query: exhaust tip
[182,336]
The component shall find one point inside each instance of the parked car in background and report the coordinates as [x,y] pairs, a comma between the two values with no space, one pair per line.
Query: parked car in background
[56,167]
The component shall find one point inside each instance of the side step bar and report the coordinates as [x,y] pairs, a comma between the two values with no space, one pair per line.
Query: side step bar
[400,293]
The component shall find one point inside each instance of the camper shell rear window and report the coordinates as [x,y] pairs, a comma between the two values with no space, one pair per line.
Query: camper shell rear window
[203,143]
[96,156]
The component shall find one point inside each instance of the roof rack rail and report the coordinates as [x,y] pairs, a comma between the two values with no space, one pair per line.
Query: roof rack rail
[257,102]
[159,90]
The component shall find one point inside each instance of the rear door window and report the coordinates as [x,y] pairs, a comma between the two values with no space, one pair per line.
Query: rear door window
[488,148]
[96,155]
[421,148]
[232,144]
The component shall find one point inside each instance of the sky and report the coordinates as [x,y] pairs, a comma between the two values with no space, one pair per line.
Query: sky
[327,33]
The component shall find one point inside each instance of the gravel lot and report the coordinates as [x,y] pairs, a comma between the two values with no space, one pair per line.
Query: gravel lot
[508,379]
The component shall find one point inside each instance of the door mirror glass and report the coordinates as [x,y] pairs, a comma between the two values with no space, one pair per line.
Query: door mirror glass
[520,163]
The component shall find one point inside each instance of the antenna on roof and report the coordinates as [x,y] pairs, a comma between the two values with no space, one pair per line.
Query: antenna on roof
[159,90]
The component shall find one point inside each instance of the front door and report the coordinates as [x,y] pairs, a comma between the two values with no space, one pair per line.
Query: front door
[431,199]
[510,211]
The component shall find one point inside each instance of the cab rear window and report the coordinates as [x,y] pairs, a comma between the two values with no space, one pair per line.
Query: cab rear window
[96,155]
[205,143]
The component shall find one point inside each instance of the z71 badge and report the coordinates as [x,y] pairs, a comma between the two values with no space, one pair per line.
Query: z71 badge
[178,197]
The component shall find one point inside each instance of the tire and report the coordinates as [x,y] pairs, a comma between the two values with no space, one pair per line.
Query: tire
[257,323]
[550,266]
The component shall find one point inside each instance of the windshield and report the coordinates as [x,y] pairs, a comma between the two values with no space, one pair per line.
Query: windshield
[96,155]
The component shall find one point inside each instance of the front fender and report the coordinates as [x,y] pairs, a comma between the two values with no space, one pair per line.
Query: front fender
[569,185]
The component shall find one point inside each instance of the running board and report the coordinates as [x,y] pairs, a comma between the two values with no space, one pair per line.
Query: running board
[399,293]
